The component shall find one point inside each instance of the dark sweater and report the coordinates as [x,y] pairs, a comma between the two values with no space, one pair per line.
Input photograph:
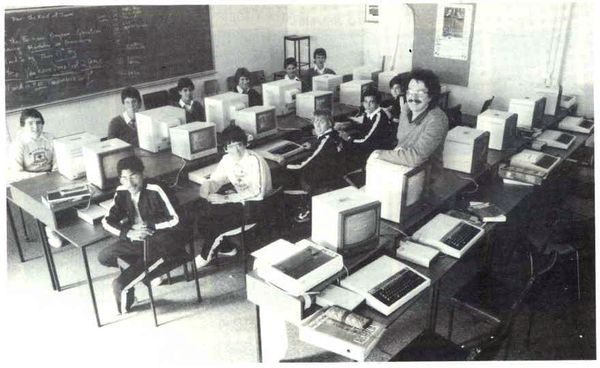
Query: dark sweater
[118,128]
[308,75]
[254,98]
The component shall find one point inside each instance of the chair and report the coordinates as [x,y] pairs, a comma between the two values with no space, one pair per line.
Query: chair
[230,82]
[257,78]
[269,210]
[190,251]
[346,78]
[430,346]
[279,75]
[487,104]
[155,99]
[174,95]
[454,116]
[492,300]
[211,87]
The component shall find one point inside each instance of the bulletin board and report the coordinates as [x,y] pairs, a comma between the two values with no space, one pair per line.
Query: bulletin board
[443,39]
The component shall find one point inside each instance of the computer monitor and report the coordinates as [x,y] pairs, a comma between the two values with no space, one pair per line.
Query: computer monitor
[530,111]
[366,72]
[260,121]
[397,187]
[345,220]
[383,81]
[101,160]
[308,102]
[219,108]
[466,149]
[328,82]
[153,126]
[194,140]
[351,93]
[501,125]
[282,95]
[553,96]
[69,155]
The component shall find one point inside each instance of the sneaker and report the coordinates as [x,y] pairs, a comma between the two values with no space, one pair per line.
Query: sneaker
[162,279]
[230,253]
[201,262]
[302,216]
[54,240]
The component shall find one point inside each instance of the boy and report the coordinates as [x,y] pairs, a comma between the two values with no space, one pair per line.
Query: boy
[372,133]
[242,80]
[194,111]
[291,69]
[123,126]
[251,179]
[141,210]
[32,154]
[319,56]
[399,99]
[323,165]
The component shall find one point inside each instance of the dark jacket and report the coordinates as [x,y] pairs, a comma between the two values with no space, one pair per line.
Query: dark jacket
[254,98]
[374,134]
[197,113]
[118,128]
[156,210]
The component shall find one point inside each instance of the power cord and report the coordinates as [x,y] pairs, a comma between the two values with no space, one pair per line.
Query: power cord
[178,174]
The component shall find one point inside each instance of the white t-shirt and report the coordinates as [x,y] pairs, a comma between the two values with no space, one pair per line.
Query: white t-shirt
[250,176]
[31,157]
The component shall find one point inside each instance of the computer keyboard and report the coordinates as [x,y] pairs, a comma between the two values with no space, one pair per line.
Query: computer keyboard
[545,161]
[397,286]
[586,124]
[460,235]
[564,138]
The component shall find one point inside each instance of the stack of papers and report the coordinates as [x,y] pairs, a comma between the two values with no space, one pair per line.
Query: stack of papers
[487,212]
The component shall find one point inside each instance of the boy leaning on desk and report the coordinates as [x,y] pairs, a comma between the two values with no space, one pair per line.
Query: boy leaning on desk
[32,154]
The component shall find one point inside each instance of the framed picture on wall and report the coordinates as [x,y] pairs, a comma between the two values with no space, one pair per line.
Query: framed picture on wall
[372,13]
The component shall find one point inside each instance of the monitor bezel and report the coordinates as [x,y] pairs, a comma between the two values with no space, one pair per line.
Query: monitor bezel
[260,133]
[106,182]
[325,95]
[191,132]
[346,249]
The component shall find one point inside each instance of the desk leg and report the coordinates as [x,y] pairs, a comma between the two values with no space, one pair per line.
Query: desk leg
[13,228]
[27,238]
[258,335]
[90,284]
[48,256]
[434,294]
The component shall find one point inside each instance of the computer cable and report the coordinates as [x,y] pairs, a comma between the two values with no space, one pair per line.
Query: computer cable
[178,174]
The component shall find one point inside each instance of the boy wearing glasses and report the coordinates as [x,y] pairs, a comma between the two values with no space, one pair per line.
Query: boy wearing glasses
[250,180]
[423,125]
[140,210]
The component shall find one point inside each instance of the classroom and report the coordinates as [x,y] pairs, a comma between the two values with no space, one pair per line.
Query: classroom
[299,182]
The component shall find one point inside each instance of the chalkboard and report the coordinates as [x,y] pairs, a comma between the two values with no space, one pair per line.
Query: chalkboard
[59,53]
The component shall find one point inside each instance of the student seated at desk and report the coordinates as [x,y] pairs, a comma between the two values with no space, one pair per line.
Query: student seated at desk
[323,165]
[123,126]
[32,154]
[141,210]
[373,132]
[399,98]
[291,69]
[194,111]
[423,125]
[242,78]
[250,177]
[319,56]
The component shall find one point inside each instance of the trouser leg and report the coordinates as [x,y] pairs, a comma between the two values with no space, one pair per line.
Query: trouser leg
[214,220]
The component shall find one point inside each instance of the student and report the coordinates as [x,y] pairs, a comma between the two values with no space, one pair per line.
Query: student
[319,56]
[423,125]
[399,98]
[141,210]
[250,177]
[123,126]
[242,78]
[32,154]
[323,165]
[374,131]
[291,69]
[194,111]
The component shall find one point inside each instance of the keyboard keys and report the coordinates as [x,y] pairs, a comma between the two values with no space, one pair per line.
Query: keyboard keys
[564,138]
[460,235]
[397,286]
[545,161]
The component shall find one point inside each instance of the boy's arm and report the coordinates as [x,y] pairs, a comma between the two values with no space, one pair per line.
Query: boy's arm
[169,217]
[217,179]
[112,221]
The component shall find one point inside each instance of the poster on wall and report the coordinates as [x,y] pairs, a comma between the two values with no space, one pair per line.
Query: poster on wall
[453,31]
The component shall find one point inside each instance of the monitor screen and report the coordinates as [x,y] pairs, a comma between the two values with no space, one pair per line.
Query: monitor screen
[201,140]
[109,163]
[265,121]
[323,102]
[360,227]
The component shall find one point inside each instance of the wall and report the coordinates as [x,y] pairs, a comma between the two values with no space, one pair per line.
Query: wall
[510,50]
[255,45]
